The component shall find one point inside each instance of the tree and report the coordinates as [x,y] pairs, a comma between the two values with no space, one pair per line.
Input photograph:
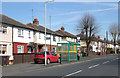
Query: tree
[89,26]
[113,29]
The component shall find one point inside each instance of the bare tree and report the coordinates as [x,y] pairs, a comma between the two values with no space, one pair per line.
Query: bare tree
[113,29]
[89,26]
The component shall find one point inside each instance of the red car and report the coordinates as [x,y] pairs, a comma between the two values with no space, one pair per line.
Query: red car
[51,57]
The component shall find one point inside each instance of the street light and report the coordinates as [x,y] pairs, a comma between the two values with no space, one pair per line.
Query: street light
[45,30]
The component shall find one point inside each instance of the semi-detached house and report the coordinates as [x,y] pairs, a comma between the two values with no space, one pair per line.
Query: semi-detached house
[15,37]
[66,36]
[39,37]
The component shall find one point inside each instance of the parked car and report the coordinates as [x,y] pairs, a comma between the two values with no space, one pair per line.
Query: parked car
[51,57]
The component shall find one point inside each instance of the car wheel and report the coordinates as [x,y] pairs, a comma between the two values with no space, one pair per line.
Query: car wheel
[36,62]
[58,60]
[48,61]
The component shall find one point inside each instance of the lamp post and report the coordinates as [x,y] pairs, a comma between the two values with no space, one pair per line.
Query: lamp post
[45,30]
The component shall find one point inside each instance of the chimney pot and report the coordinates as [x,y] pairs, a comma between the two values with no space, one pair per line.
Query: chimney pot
[36,21]
[82,32]
[62,28]
[98,37]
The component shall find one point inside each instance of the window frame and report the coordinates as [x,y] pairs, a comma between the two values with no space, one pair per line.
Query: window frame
[1,53]
[2,29]
[20,33]
[21,49]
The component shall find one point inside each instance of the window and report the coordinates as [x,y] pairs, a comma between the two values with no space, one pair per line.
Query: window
[20,32]
[29,34]
[3,49]
[39,36]
[3,29]
[20,49]
[45,48]
[54,49]
[58,38]
[29,49]
[54,39]
[53,54]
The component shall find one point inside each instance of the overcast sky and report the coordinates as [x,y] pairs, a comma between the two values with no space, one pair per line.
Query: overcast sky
[66,14]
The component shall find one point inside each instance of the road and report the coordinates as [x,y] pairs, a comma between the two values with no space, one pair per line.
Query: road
[107,66]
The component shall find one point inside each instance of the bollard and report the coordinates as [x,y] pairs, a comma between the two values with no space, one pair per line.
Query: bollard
[60,58]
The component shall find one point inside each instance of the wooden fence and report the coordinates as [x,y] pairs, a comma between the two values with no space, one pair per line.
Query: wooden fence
[23,58]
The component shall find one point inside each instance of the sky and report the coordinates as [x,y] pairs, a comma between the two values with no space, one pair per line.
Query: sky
[67,14]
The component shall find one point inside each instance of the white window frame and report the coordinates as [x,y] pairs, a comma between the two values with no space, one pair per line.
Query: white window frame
[2,48]
[29,34]
[39,35]
[20,32]
[54,38]
[21,49]
[2,28]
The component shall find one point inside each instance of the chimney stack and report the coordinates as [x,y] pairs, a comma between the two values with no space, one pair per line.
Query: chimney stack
[104,39]
[93,35]
[98,37]
[82,32]
[62,28]
[36,21]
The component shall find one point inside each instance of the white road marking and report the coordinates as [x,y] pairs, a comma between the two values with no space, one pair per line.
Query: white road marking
[117,58]
[73,73]
[106,62]
[94,66]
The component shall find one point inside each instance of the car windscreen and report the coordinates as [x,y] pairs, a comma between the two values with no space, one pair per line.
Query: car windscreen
[43,53]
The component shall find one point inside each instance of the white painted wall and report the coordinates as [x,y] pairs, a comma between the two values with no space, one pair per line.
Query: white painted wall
[25,38]
[94,46]
[41,40]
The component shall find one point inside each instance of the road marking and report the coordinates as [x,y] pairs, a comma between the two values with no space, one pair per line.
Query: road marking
[94,66]
[73,73]
[106,62]
[117,58]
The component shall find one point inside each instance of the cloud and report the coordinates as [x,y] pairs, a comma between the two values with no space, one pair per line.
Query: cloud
[79,12]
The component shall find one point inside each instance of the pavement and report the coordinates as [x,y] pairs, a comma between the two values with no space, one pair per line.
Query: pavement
[106,65]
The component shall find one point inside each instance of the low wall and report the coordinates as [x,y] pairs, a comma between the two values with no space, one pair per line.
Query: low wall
[23,57]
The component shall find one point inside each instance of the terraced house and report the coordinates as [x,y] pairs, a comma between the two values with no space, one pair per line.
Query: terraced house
[39,37]
[66,36]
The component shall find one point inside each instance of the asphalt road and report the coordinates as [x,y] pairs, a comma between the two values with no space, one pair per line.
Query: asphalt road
[107,66]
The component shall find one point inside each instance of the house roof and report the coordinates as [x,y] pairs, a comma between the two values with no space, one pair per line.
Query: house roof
[42,29]
[83,37]
[65,33]
[10,21]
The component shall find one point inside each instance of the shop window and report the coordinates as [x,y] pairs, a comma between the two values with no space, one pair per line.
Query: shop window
[3,49]
[20,49]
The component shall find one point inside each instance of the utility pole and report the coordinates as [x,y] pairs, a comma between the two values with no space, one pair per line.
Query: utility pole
[50,28]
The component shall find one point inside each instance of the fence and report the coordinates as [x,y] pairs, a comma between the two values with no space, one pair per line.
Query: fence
[4,60]
[23,58]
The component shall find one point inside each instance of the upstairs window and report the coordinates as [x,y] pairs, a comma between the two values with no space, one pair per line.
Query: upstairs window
[20,32]
[39,35]
[3,29]
[54,38]
[29,34]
